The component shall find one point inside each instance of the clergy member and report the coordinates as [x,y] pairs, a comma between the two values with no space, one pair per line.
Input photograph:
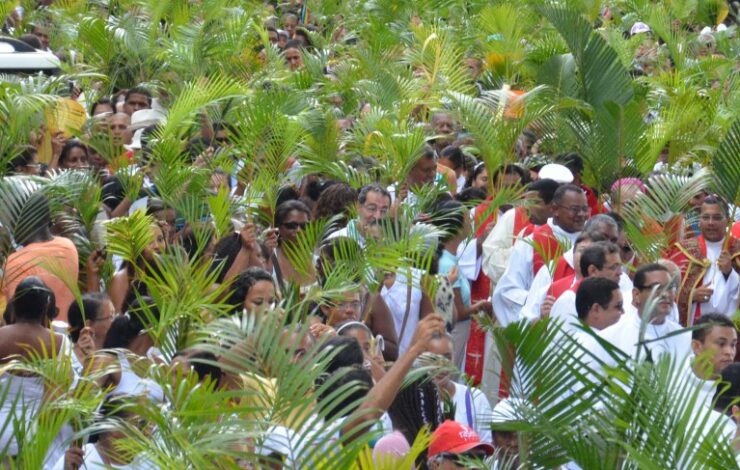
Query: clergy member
[547,242]
[709,266]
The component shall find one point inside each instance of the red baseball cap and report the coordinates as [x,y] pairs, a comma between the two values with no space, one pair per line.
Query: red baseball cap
[452,437]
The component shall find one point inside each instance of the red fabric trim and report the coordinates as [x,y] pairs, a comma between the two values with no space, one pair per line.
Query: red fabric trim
[543,240]
[561,286]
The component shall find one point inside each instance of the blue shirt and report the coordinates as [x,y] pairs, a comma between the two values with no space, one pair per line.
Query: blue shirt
[446,262]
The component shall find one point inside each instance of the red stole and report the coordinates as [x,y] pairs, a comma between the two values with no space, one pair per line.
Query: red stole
[593,200]
[545,247]
[482,218]
[691,274]
[480,289]
[563,285]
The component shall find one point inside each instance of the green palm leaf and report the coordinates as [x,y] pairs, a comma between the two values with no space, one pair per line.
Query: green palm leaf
[726,167]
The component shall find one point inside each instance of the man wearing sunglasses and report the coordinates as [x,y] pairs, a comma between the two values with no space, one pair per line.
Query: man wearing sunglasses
[653,296]
[453,444]
[709,266]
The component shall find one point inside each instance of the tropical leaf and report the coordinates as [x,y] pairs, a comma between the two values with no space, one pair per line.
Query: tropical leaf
[128,237]
[726,167]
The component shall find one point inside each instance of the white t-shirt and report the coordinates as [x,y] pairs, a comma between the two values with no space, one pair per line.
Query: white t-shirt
[473,410]
[395,298]
[93,461]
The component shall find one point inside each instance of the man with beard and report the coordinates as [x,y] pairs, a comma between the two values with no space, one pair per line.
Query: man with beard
[373,204]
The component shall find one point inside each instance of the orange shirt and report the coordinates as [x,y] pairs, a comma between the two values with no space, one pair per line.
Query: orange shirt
[55,262]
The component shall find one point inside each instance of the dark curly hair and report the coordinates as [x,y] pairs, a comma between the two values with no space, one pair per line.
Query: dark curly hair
[243,284]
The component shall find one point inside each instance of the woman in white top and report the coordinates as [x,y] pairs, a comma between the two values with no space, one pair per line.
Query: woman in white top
[88,325]
[128,335]
[103,454]
[27,336]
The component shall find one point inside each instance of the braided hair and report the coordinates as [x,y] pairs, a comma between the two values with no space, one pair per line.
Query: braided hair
[416,405]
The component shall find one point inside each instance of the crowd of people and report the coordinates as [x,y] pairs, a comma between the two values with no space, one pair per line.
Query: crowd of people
[264,274]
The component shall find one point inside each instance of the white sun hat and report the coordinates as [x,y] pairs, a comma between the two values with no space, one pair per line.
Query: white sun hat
[638,28]
[557,172]
[142,119]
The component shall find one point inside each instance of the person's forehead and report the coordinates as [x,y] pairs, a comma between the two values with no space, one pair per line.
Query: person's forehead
[721,331]
[118,119]
[352,294]
[711,209]
[572,197]
[616,296]
[375,197]
[656,277]
[441,118]
[137,97]
[612,258]
[296,214]
[583,245]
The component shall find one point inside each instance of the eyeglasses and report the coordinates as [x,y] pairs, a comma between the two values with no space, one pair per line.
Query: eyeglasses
[294,225]
[575,210]
[373,208]
[109,317]
[659,288]
[354,305]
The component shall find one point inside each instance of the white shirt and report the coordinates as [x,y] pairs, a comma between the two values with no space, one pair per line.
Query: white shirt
[512,290]
[395,298]
[538,292]
[468,261]
[564,310]
[473,410]
[693,388]
[498,246]
[344,232]
[625,335]
[724,299]
[93,461]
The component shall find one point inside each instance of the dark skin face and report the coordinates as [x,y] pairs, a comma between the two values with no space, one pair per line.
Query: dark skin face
[538,211]
[136,102]
[76,159]
[571,212]
[423,172]
[32,168]
[294,59]
[293,223]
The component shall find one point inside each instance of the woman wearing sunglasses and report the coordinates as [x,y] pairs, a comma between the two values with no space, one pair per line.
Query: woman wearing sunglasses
[290,218]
